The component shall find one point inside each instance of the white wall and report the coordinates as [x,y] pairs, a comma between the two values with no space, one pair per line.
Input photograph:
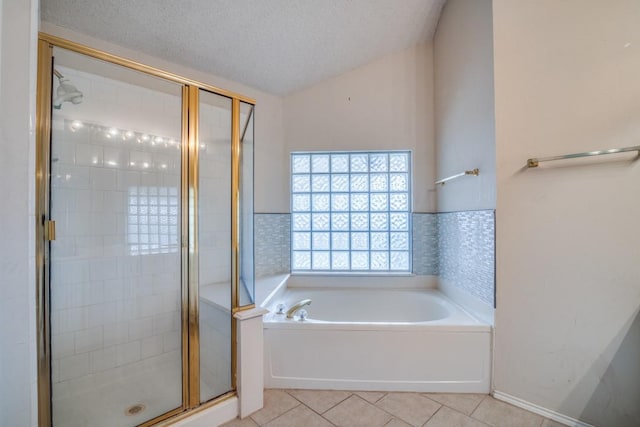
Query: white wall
[567,331]
[384,105]
[464,108]
[17,289]
[269,151]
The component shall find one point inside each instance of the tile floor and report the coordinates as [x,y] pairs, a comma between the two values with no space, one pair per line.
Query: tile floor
[320,408]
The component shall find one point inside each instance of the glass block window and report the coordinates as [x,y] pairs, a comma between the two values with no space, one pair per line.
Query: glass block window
[351,211]
[152,220]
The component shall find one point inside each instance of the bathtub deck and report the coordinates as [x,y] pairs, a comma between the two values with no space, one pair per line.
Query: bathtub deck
[297,408]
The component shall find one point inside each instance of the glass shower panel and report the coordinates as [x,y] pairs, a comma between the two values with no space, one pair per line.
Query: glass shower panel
[247,280]
[214,244]
[115,280]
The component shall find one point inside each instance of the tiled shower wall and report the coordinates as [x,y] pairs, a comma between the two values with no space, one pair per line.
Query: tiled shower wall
[214,245]
[116,263]
[214,180]
[114,303]
[457,246]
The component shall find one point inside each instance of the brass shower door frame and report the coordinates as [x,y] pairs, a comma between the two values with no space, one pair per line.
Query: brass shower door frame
[188,230]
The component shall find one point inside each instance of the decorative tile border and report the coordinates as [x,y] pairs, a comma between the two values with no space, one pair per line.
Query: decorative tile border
[425,244]
[466,248]
[272,244]
[457,246]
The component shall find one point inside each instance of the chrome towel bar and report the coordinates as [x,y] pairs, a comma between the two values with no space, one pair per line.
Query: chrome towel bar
[533,163]
[474,172]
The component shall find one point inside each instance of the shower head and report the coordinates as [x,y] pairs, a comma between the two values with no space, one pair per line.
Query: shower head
[66,92]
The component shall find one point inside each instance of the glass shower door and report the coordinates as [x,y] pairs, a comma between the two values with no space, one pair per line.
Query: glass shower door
[115,281]
[214,244]
[246,285]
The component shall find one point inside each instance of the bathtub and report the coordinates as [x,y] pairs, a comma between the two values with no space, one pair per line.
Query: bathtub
[362,335]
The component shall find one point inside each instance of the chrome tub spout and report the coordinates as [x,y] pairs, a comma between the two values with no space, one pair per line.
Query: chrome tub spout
[294,308]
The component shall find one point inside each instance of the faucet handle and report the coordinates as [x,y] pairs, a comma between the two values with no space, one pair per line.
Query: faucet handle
[280,308]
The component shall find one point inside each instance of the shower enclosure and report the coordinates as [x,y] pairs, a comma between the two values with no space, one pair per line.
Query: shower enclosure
[145,238]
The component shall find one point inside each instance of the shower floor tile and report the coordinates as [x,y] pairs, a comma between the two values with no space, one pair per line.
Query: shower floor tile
[105,406]
[296,408]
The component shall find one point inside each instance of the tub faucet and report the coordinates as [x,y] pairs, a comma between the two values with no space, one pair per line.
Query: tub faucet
[292,311]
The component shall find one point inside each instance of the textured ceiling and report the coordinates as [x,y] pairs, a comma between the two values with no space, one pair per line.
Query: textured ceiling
[278,46]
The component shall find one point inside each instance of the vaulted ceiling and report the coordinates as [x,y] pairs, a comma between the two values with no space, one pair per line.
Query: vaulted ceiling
[278,46]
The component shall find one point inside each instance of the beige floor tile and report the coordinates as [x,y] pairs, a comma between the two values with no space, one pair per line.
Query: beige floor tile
[247,422]
[462,402]
[396,423]
[409,407]
[320,400]
[276,403]
[447,417]
[551,423]
[357,412]
[300,416]
[371,396]
[500,414]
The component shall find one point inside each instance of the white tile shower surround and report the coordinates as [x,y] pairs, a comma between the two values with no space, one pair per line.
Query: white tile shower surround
[319,408]
[114,311]
[111,307]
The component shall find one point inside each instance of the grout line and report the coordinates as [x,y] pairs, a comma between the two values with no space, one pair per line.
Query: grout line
[287,390]
[313,410]
[396,419]
[384,394]
[433,415]
[461,413]
[481,400]
[334,425]
[273,419]
[457,410]
[350,394]
[264,407]
[375,403]
[301,402]
[474,411]
[329,421]
[381,397]
[384,410]
[433,400]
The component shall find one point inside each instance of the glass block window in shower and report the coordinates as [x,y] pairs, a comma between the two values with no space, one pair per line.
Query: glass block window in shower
[351,211]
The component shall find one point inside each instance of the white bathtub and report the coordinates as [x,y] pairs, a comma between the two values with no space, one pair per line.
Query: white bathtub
[374,339]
